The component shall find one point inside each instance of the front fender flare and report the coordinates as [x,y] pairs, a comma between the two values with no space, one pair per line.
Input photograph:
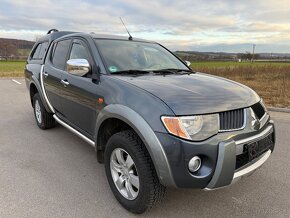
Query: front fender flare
[147,135]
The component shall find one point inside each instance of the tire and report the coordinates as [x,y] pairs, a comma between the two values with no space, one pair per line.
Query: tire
[43,119]
[127,144]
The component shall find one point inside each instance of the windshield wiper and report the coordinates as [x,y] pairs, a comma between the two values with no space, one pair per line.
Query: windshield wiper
[173,71]
[161,71]
[134,72]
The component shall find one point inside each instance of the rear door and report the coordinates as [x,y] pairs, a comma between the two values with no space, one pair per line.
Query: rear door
[53,70]
[35,59]
[79,97]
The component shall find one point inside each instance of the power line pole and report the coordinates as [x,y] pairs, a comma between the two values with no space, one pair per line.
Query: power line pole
[253,52]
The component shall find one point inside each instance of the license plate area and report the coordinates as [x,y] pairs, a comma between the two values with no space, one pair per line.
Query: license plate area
[255,149]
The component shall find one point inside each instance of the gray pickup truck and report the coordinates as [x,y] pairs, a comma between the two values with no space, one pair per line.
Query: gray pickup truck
[153,122]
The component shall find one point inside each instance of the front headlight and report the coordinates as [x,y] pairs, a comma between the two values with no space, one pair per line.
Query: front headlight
[195,128]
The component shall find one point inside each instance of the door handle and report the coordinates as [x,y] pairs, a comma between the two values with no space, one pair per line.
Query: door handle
[45,74]
[64,82]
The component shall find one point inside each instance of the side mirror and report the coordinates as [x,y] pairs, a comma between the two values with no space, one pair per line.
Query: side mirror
[78,67]
[187,63]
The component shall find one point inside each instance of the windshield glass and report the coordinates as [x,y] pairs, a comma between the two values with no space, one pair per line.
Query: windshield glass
[123,55]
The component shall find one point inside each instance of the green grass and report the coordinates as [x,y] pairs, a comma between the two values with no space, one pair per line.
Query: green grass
[12,68]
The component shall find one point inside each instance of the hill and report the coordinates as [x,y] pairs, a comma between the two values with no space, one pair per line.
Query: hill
[14,48]
[226,56]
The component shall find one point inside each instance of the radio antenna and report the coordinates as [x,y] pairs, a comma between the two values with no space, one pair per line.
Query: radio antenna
[130,37]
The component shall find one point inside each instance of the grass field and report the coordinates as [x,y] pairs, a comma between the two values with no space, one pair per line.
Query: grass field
[11,68]
[271,80]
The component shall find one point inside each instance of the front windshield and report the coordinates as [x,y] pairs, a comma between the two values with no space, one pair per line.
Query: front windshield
[123,55]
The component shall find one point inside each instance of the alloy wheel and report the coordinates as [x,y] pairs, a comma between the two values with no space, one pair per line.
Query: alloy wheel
[37,111]
[124,174]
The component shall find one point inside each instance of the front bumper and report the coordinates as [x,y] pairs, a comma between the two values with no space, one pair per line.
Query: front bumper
[252,167]
[219,157]
[223,176]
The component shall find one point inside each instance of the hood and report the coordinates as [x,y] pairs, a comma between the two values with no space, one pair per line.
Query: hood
[196,93]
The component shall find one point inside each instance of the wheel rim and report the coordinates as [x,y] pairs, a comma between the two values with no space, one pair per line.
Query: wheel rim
[37,111]
[124,174]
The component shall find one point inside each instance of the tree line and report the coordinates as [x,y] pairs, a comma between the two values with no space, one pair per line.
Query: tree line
[13,49]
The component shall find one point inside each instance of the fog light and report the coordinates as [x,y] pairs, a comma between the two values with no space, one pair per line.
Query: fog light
[194,164]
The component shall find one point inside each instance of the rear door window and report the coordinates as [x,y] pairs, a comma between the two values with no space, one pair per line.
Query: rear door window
[36,52]
[43,50]
[60,54]
[39,52]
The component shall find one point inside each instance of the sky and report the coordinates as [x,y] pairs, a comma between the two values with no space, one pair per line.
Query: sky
[199,25]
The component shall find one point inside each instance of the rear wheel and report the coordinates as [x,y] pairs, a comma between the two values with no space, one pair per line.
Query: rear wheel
[131,173]
[43,119]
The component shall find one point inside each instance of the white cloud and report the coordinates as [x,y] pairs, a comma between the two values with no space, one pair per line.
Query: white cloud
[175,23]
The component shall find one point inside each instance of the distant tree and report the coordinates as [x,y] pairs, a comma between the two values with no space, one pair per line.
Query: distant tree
[7,50]
[256,56]
[248,56]
[13,48]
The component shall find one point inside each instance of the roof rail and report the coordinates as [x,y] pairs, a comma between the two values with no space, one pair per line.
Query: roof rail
[52,31]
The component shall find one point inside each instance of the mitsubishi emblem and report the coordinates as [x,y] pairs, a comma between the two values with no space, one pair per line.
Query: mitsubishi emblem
[255,121]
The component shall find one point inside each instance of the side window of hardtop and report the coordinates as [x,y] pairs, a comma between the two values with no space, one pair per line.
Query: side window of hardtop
[59,54]
[39,51]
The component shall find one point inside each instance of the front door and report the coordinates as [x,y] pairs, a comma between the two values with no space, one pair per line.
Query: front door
[80,95]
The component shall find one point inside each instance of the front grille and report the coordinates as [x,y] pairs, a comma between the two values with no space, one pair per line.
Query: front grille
[258,110]
[232,120]
[250,154]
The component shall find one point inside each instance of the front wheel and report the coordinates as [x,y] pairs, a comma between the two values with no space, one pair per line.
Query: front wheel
[131,173]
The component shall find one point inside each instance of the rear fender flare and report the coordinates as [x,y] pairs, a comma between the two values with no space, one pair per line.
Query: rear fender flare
[35,82]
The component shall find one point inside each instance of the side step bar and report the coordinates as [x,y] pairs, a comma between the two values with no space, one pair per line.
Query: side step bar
[86,139]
